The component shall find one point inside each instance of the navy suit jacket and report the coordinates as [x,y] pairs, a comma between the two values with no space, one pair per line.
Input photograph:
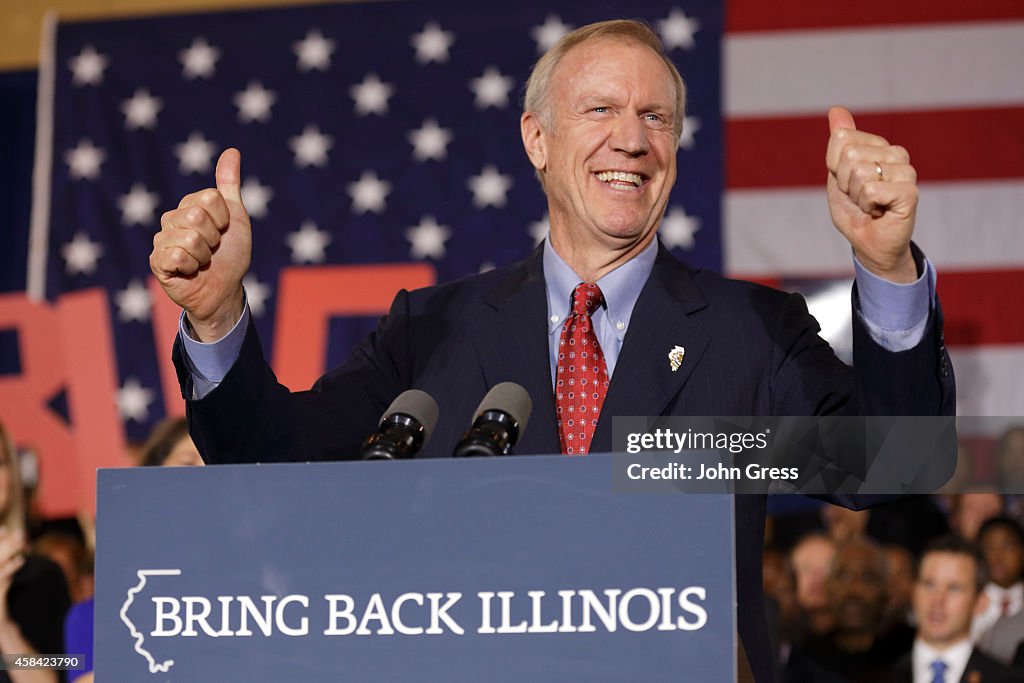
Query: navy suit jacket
[750,350]
[980,669]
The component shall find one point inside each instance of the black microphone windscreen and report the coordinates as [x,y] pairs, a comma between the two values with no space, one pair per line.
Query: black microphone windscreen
[418,405]
[510,398]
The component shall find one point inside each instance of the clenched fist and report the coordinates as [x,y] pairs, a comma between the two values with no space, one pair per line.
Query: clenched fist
[872,196]
[203,251]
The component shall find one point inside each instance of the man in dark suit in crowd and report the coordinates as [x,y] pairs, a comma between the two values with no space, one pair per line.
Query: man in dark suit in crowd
[947,595]
[862,644]
[602,119]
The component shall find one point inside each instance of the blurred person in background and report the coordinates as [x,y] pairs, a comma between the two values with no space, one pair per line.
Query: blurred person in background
[1009,458]
[947,594]
[74,559]
[781,608]
[962,479]
[1004,642]
[861,645]
[843,525]
[968,511]
[900,580]
[811,560]
[1001,540]
[168,445]
[33,592]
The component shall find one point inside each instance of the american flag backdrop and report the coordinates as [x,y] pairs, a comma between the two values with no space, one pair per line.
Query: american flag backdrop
[388,132]
[370,133]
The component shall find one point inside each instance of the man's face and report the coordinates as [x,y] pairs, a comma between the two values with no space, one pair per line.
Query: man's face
[1004,554]
[856,588]
[945,597]
[609,155]
[811,561]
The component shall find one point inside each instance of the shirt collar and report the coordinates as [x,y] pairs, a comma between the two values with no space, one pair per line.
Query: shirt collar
[955,657]
[621,287]
[1014,592]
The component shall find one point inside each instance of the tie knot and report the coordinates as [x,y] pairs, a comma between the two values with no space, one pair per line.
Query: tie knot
[586,298]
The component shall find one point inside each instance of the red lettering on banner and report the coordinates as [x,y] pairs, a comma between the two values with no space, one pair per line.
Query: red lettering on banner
[65,347]
[90,364]
[309,297]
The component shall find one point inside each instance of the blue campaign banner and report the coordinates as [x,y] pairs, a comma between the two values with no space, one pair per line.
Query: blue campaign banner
[504,569]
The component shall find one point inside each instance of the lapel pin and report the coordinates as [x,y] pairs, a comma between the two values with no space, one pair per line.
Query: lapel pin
[675,357]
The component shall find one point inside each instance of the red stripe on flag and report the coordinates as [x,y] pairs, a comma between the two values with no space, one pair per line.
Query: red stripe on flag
[757,15]
[961,144]
[982,307]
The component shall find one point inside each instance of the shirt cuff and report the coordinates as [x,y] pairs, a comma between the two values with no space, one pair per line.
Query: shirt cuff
[896,315]
[209,363]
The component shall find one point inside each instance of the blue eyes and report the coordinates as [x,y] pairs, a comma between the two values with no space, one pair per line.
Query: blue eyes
[651,117]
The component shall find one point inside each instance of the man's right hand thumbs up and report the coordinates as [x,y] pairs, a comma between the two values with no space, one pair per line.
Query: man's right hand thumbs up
[203,251]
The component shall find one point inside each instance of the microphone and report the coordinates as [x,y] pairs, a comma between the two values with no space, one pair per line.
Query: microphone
[404,427]
[500,420]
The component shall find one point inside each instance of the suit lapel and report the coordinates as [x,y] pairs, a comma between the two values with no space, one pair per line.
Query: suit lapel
[512,339]
[643,382]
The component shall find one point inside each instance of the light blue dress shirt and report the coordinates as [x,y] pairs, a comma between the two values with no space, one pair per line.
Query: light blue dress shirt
[895,314]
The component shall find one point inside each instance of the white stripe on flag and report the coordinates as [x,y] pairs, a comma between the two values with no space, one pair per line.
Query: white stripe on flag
[899,68]
[988,379]
[960,226]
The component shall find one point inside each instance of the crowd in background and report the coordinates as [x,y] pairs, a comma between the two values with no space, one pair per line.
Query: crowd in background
[46,588]
[848,593]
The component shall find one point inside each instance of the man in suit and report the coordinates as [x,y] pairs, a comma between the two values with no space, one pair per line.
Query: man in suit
[947,595]
[602,117]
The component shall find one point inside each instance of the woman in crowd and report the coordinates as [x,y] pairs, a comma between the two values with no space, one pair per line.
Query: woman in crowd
[33,593]
[169,445]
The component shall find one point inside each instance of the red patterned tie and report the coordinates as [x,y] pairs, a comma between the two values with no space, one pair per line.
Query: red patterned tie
[581,379]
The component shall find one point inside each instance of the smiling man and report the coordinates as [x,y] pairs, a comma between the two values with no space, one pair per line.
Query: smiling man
[602,117]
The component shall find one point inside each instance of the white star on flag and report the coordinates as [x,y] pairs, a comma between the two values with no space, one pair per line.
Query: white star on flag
[195,155]
[539,229]
[691,124]
[314,52]
[311,147]
[548,33]
[491,89]
[140,110]
[368,193]
[677,229]
[257,293]
[87,66]
[199,60]
[428,238]
[254,103]
[133,400]
[371,95]
[138,206]
[489,188]
[81,254]
[133,302]
[430,141]
[308,243]
[677,30]
[255,197]
[432,44]
[84,160]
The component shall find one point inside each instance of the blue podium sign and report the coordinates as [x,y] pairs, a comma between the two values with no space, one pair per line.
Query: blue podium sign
[503,569]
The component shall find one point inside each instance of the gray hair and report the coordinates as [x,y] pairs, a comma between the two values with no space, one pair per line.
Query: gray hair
[632,30]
